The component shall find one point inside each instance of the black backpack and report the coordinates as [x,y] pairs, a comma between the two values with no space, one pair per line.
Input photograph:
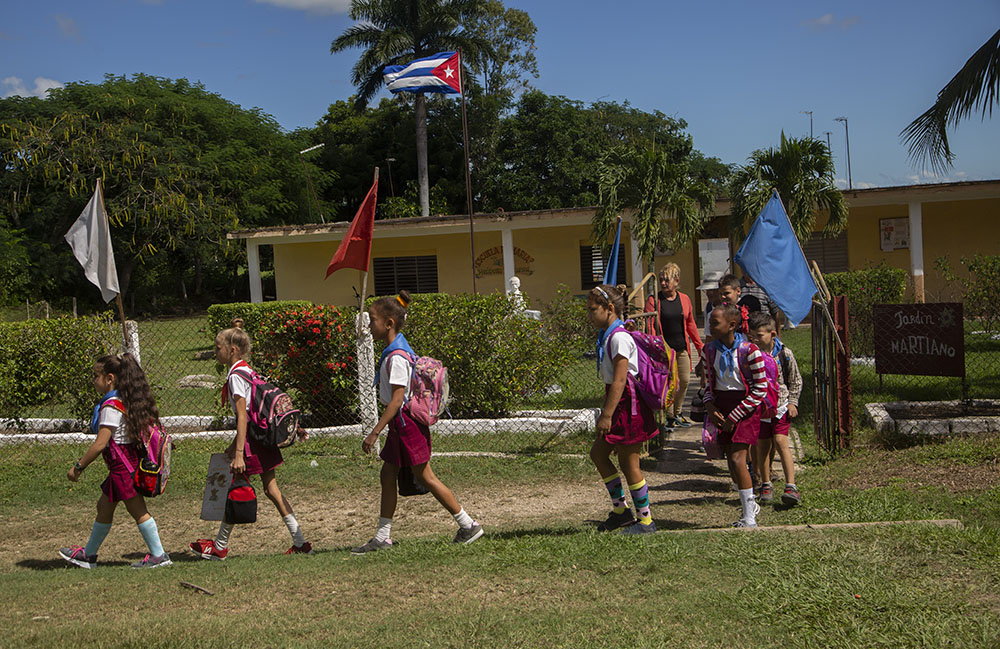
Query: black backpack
[273,420]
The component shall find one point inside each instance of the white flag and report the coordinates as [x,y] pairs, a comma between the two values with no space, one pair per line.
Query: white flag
[90,239]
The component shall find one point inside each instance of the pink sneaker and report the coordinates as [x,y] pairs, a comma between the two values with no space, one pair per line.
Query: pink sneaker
[78,557]
[205,548]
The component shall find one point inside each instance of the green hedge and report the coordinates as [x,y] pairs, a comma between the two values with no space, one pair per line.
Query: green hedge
[881,284]
[220,316]
[496,357]
[565,319]
[979,289]
[51,361]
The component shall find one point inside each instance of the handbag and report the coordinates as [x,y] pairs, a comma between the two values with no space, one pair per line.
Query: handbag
[241,502]
[408,483]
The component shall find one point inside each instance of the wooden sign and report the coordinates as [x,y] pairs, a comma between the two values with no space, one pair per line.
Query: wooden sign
[213,503]
[919,339]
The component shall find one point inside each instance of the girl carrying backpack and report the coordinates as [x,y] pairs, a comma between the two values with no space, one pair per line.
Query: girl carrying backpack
[626,421]
[408,443]
[249,457]
[737,385]
[120,421]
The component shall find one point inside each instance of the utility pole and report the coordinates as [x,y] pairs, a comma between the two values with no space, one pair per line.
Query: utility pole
[847,135]
[810,114]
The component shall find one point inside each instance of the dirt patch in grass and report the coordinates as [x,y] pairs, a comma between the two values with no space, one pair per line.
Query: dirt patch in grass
[880,468]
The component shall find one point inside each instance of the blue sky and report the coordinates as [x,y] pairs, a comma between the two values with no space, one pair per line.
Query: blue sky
[737,72]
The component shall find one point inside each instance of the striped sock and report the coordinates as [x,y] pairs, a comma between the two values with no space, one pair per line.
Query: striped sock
[614,486]
[640,498]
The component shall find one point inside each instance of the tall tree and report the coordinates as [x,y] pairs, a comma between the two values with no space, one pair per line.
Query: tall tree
[802,171]
[180,167]
[394,32]
[975,87]
[656,182]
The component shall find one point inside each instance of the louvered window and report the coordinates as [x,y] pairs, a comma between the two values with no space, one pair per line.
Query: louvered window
[415,274]
[830,253]
[592,263]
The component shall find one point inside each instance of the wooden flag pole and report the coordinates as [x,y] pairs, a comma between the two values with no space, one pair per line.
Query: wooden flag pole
[118,296]
[468,173]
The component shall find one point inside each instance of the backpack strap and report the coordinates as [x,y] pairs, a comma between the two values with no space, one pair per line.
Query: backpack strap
[628,375]
[243,371]
[413,370]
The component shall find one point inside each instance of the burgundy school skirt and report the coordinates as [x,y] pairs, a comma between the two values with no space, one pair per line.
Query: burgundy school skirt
[260,458]
[769,429]
[628,427]
[747,431]
[408,442]
[118,485]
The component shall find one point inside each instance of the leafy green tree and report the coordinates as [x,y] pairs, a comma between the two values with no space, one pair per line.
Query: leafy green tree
[180,167]
[669,204]
[511,32]
[975,87]
[802,171]
[395,32]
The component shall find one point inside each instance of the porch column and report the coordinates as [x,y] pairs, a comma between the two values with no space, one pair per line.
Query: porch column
[917,251]
[637,269]
[507,242]
[253,272]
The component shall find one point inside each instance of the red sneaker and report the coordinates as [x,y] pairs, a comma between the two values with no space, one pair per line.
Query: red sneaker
[305,548]
[205,548]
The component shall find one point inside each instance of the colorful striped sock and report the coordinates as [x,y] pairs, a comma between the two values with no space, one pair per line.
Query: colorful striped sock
[617,493]
[640,498]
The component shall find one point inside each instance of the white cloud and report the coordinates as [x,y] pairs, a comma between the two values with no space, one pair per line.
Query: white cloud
[829,21]
[312,6]
[11,86]
[68,27]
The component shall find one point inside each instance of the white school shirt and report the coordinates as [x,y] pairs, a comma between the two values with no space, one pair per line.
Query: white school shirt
[114,419]
[621,344]
[724,381]
[238,387]
[395,370]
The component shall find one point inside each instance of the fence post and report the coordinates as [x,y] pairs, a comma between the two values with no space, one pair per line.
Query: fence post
[845,427]
[366,374]
[132,341]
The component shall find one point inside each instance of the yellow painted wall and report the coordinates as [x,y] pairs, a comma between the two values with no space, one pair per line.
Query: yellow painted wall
[552,257]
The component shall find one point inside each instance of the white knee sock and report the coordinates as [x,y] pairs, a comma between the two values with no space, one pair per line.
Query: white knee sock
[293,529]
[747,503]
[222,539]
[384,527]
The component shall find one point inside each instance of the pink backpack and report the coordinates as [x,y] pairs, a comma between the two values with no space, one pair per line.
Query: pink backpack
[769,404]
[151,475]
[429,388]
[656,381]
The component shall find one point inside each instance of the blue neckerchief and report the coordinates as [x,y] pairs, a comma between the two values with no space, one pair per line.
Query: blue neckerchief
[728,365]
[778,346]
[399,342]
[602,337]
[97,409]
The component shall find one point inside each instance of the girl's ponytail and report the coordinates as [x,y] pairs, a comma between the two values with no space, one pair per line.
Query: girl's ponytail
[140,406]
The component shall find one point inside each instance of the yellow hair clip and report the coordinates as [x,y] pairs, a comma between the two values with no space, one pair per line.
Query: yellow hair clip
[400,300]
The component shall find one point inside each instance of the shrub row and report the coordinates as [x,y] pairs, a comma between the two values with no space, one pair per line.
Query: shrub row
[220,316]
[979,289]
[864,288]
[47,361]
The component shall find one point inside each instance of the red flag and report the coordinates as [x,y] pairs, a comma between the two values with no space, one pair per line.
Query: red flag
[355,250]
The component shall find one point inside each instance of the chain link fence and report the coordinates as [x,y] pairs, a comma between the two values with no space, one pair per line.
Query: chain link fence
[925,370]
[521,380]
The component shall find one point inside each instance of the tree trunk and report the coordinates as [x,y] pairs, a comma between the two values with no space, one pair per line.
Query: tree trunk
[422,181]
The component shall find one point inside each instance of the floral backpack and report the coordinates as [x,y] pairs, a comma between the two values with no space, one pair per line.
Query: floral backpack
[429,389]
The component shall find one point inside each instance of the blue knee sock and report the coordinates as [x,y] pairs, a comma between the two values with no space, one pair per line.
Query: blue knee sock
[151,535]
[97,535]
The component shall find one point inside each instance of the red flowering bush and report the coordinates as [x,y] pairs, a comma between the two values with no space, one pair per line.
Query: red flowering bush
[310,352]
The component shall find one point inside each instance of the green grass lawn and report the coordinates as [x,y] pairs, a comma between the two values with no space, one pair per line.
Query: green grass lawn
[534,580]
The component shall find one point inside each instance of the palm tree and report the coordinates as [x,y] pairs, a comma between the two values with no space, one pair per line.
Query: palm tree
[976,85]
[801,169]
[395,32]
[669,206]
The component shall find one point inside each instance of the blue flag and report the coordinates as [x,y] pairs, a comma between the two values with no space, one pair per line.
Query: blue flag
[438,73]
[772,257]
[611,270]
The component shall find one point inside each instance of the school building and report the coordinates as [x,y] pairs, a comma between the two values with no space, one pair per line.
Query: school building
[906,227]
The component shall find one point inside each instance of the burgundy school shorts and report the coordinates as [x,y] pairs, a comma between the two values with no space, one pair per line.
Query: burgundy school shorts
[748,430]
[260,458]
[408,442]
[628,428]
[769,429]
[118,485]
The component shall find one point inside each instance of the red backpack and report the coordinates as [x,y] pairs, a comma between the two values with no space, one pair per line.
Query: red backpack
[769,404]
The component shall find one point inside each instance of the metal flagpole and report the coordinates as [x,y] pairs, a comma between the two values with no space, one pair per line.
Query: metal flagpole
[468,173]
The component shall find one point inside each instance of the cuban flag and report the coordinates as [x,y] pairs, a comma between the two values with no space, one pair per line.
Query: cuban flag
[438,73]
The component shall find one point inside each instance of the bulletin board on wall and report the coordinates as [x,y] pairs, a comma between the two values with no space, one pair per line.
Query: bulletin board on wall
[894,234]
